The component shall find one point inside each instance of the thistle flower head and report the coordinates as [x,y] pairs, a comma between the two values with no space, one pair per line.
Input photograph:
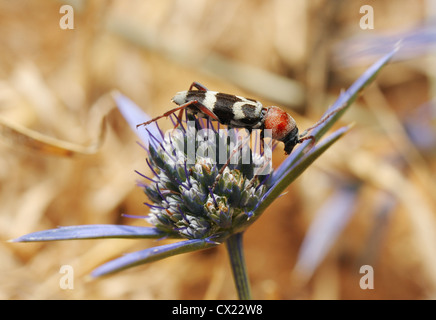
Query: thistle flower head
[196,197]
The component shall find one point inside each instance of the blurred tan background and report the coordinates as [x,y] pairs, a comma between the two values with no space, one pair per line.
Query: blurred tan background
[296,54]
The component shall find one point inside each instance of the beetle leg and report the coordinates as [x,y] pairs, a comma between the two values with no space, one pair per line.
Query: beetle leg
[197,85]
[308,138]
[206,111]
[166,114]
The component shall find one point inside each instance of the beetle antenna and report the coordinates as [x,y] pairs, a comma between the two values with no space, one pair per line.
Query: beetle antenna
[321,121]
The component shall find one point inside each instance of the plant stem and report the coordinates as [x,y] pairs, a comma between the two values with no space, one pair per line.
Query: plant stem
[237,261]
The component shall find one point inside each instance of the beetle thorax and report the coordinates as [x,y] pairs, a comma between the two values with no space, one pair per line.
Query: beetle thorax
[280,122]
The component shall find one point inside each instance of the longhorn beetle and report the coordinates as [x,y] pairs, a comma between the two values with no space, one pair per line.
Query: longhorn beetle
[237,112]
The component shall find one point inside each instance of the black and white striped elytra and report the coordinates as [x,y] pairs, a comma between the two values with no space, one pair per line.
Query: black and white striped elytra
[229,109]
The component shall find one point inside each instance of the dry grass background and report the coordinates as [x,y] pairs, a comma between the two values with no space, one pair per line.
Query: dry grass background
[56,82]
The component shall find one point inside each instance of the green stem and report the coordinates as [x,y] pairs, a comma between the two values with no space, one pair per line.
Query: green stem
[237,261]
